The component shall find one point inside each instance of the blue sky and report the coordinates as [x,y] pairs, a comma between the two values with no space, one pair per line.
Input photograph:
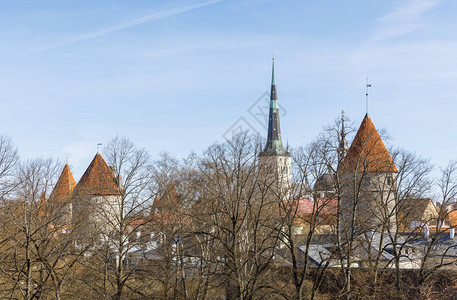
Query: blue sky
[176,75]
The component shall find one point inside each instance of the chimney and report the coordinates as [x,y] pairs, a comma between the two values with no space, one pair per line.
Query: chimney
[452,233]
[426,231]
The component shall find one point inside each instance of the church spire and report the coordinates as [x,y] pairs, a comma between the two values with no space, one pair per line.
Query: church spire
[274,144]
[343,146]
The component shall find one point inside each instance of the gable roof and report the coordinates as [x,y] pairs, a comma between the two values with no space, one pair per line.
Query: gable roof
[367,152]
[64,187]
[417,209]
[98,179]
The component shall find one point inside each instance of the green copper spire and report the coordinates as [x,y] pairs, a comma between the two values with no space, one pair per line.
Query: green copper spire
[273,79]
[274,144]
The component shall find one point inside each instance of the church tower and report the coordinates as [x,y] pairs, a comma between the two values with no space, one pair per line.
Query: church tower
[274,158]
[368,177]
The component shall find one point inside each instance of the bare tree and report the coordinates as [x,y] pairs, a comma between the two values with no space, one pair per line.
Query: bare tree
[310,214]
[32,245]
[184,265]
[119,237]
[130,166]
[434,254]
[447,185]
[8,161]
[413,183]
[242,202]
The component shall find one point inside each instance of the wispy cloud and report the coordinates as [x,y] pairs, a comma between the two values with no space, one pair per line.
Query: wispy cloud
[135,22]
[404,18]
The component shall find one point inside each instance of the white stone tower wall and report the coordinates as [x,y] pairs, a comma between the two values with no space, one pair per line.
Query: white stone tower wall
[374,195]
[101,213]
[279,168]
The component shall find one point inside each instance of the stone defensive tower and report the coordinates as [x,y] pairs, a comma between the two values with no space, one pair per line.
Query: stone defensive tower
[97,199]
[368,179]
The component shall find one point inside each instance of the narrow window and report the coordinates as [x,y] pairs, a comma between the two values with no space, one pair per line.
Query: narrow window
[389,180]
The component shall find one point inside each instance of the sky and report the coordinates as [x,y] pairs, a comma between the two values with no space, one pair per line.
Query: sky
[177,76]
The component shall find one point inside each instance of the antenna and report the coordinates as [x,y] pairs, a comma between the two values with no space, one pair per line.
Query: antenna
[98,147]
[366,94]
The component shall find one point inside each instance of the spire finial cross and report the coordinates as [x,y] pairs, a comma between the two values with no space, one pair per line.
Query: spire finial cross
[273,79]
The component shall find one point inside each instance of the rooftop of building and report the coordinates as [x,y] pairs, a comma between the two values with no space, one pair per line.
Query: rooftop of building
[98,179]
[367,152]
[63,190]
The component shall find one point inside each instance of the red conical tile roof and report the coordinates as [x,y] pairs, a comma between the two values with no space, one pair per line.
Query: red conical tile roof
[154,204]
[98,179]
[170,199]
[367,152]
[64,187]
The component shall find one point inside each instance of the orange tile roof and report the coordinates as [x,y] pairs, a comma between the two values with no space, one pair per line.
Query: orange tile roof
[64,187]
[42,205]
[140,221]
[367,152]
[98,179]
[453,218]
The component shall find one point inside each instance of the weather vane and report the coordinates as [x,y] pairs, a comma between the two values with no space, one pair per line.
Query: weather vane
[366,94]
